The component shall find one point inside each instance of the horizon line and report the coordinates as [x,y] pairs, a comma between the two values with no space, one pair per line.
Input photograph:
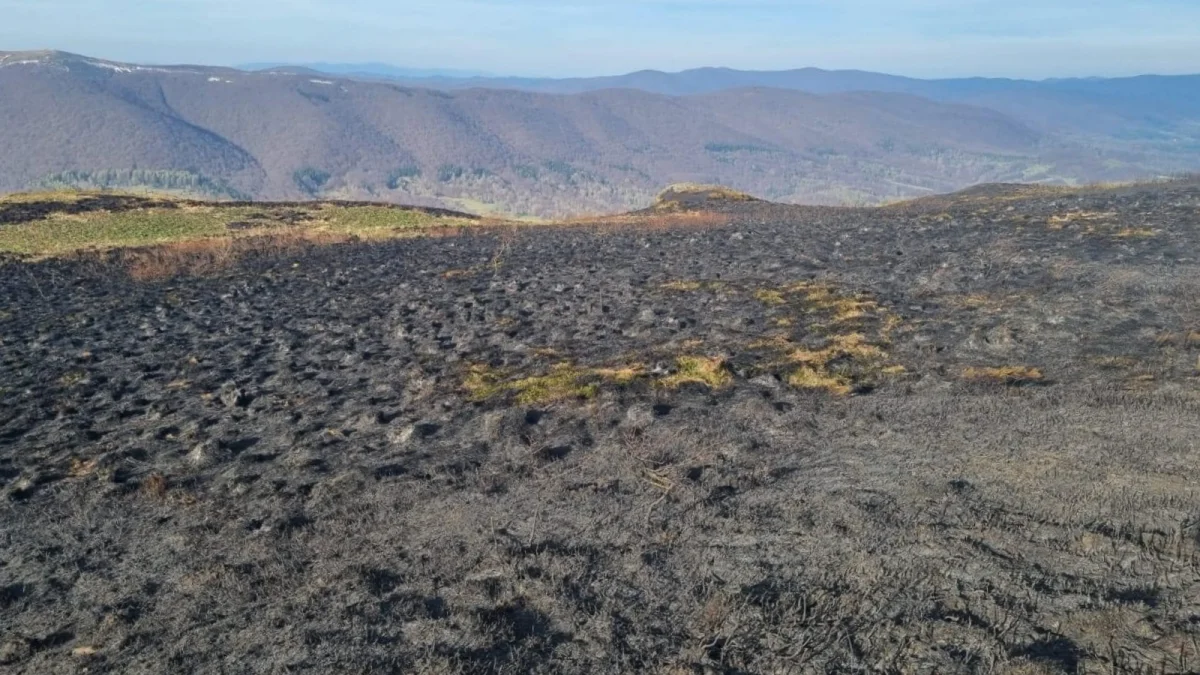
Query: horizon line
[249,67]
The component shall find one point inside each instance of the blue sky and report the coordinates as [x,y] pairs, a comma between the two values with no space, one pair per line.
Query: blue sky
[924,38]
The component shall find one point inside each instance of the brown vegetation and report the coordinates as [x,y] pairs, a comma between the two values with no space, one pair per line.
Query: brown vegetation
[693,196]
[1014,375]
[206,257]
[653,222]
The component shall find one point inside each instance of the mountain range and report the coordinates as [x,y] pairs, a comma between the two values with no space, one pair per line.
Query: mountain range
[368,70]
[543,147]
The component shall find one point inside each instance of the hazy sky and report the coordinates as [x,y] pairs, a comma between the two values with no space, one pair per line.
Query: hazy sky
[1018,38]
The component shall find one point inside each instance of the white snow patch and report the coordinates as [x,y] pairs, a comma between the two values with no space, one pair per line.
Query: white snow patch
[110,66]
[120,68]
[321,81]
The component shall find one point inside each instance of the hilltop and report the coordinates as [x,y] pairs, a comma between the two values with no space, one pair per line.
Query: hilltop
[288,135]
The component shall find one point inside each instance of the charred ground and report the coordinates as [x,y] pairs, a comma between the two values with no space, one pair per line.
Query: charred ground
[953,435]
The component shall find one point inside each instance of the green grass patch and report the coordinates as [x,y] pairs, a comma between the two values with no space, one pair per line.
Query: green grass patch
[563,382]
[708,371]
[61,233]
[365,221]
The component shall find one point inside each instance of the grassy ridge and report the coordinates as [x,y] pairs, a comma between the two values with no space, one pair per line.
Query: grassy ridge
[155,221]
[63,233]
[50,224]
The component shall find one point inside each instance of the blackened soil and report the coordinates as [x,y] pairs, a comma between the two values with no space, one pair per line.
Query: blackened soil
[359,458]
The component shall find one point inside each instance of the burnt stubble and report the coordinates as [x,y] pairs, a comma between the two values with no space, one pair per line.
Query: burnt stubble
[955,435]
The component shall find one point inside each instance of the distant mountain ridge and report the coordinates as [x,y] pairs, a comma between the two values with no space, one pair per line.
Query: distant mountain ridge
[711,79]
[813,80]
[290,133]
[1168,97]
[366,70]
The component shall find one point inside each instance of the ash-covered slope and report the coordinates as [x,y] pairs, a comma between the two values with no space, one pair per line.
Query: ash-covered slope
[928,438]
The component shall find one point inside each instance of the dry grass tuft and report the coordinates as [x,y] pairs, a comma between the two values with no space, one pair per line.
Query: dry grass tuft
[822,298]
[1135,233]
[769,297]
[972,301]
[850,353]
[564,382]
[81,468]
[621,375]
[206,257]
[1059,221]
[849,359]
[72,378]
[685,195]
[807,377]
[854,346]
[1115,362]
[483,382]
[201,257]
[1010,375]
[155,485]
[709,371]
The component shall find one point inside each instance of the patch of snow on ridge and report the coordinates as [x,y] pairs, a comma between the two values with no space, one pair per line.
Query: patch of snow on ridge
[122,68]
[109,66]
[21,59]
[320,81]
